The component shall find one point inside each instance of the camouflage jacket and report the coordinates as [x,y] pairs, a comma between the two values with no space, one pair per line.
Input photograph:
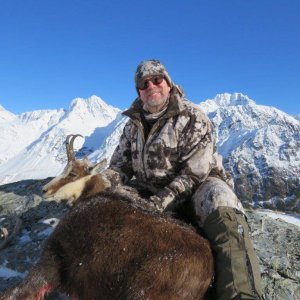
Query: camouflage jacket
[178,154]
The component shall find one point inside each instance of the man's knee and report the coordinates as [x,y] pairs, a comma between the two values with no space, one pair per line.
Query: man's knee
[210,195]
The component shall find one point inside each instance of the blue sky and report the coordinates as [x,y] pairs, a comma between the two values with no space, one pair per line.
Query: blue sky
[52,51]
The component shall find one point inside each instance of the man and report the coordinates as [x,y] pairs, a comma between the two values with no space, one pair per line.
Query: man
[168,146]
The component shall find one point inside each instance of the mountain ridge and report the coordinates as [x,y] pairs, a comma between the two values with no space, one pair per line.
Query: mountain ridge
[259,144]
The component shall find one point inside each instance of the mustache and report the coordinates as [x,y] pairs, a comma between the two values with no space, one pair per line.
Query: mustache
[153,92]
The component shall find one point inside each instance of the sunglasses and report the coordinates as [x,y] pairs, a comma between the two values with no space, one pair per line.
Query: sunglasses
[144,83]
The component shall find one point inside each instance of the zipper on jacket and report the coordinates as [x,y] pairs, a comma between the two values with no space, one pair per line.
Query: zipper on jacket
[151,133]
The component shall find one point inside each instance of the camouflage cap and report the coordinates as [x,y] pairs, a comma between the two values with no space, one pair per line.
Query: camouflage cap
[151,67]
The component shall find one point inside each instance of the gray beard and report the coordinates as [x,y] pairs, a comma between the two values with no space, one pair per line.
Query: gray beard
[153,102]
[163,106]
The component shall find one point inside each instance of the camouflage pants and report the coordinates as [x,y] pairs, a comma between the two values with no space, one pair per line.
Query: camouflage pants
[217,211]
[210,195]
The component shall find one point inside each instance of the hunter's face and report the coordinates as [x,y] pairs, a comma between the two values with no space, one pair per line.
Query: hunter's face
[154,94]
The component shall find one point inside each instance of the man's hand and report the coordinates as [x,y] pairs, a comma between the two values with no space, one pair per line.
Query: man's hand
[112,177]
[157,203]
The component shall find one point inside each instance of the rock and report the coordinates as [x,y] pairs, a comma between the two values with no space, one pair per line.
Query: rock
[276,242]
[38,221]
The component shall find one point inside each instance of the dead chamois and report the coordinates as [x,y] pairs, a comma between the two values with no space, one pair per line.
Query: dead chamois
[111,248]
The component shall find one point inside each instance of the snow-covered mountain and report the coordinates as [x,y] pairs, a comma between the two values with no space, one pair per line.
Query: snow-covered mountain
[260,144]
[33,143]
[20,131]
[5,115]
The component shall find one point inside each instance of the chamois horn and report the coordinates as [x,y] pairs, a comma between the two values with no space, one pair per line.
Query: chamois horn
[69,146]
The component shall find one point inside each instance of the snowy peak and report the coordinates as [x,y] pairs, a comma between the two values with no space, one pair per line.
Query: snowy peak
[84,115]
[5,115]
[226,100]
[234,99]
[242,112]
[34,141]
[260,145]
[247,119]
[93,105]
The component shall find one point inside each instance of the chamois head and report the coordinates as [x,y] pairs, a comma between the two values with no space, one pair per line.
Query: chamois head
[77,176]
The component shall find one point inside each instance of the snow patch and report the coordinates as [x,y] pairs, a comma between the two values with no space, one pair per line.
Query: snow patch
[292,219]
[53,222]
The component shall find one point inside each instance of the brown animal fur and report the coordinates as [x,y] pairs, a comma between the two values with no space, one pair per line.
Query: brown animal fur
[108,249]
[112,246]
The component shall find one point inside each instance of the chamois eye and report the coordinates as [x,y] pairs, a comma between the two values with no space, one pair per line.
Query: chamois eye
[72,174]
[88,169]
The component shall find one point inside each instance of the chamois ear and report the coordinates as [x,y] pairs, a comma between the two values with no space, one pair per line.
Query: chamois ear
[99,167]
[86,161]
